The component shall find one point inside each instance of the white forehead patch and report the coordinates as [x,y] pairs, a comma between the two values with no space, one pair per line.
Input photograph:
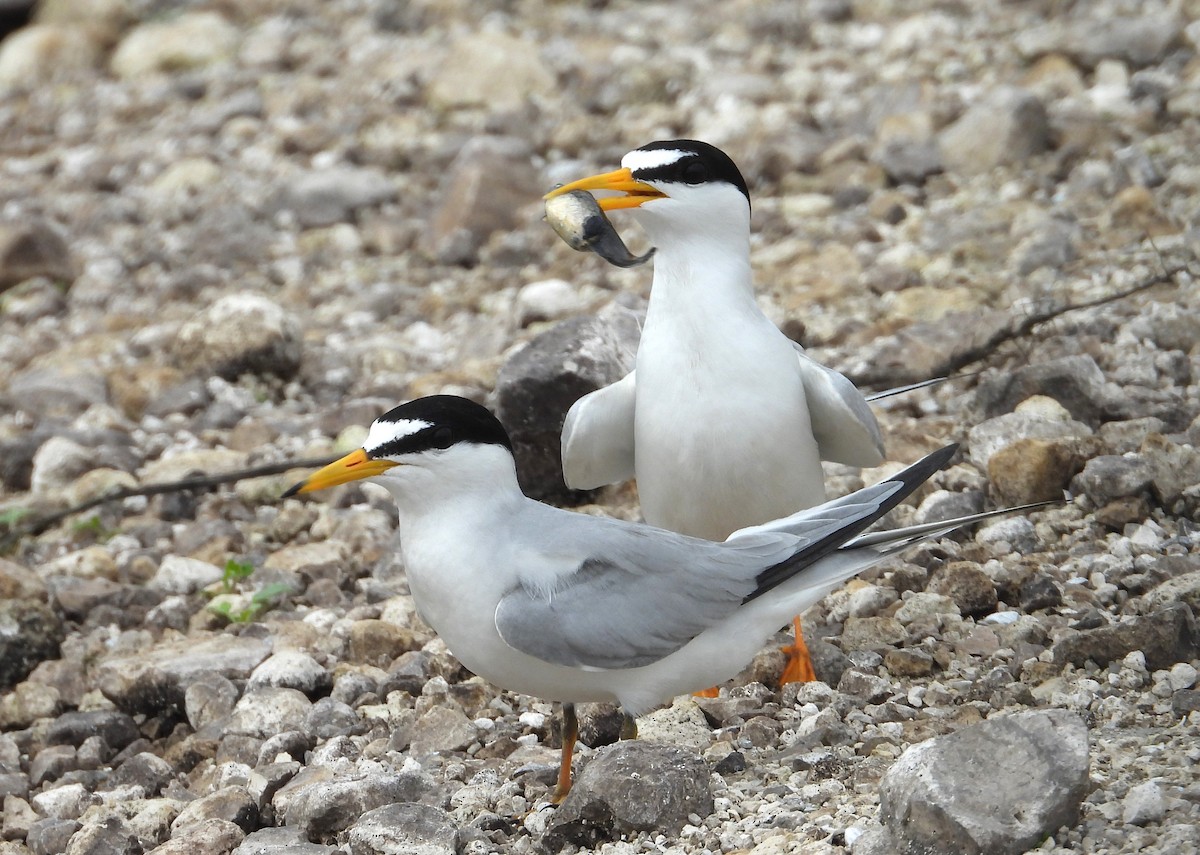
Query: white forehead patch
[384,432]
[639,159]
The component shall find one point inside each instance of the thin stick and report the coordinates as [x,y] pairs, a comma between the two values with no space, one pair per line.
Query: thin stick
[194,482]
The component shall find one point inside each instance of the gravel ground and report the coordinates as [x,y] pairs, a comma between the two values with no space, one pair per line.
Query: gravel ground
[231,234]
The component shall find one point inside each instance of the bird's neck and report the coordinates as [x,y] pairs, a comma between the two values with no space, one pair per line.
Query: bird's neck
[703,274]
[459,492]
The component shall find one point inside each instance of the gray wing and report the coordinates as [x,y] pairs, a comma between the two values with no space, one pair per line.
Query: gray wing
[648,593]
[597,437]
[842,422]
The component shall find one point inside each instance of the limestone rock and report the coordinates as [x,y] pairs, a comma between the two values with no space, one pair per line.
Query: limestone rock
[240,333]
[482,191]
[1036,768]
[629,787]
[191,40]
[406,828]
[1006,125]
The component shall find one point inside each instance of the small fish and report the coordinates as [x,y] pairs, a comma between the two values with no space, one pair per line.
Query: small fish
[580,221]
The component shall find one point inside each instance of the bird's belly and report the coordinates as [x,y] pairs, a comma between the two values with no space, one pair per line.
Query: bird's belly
[713,457]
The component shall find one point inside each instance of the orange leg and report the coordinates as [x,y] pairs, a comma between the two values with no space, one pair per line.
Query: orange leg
[570,732]
[799,665]
[707,693]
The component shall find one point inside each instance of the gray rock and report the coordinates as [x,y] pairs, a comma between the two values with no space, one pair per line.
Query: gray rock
[33,247]
[1052,246]
[1164,637]
[50,836]
[281,841]
[1185,701]
[268,710]
[116,728]
[49,392]
[241,333]
[328,196]
[157,679]
[1039,592]
[58,462]
[540,382]
[206,837]
[145,770]
[872,633]
[29,633]
[179,575]
[1076,382]
[329,718]
[1108,477]
[441,729]
[947,504]
[17,818]
[231,804]
[869,687]
[1168,325]
[104,832]
[28,703]
[404,829]
[14,784]
[1176,467]
[1139,41]
[1006,125]
[630,787]
[1143,803]
[1036,768]
[51,763]
[292,669]
[965,582]
[324,807]
[66,802]
[481,192]
[1184,588]
[209,697]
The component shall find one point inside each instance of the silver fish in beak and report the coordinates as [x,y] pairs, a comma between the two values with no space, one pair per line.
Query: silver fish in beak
[579,220]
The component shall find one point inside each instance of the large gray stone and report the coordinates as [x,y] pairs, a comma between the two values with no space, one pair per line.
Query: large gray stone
[1076,382]
[1139,41]
[481,192]
[407,828]
[151,681]
[1165,637]
[540,382]
[323,807]
[997,788]
[630,787]
[1006,125]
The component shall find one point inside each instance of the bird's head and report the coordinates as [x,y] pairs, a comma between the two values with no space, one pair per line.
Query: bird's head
[674,186]
[455,441]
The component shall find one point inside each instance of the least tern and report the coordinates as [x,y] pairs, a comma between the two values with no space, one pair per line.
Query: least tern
[724,421]
[570,607]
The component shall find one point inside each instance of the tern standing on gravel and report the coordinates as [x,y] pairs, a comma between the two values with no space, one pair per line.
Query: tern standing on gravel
[725,421]
[571,607]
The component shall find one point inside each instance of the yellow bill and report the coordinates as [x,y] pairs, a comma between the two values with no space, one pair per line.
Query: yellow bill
[353,467]
[621,181]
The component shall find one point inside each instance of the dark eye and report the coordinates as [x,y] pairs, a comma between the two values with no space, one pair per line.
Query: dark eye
[443,437]
[695,171]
